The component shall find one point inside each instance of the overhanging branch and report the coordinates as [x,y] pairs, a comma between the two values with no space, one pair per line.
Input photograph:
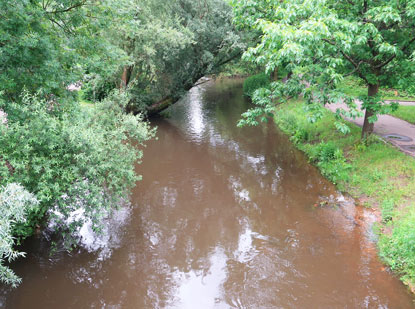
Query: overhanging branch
[394,56]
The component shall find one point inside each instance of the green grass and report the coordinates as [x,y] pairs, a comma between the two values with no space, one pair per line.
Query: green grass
[406,113]
[355,87]
[375,172]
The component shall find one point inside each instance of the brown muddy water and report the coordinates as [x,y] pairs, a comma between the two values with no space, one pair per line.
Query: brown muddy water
[224,218]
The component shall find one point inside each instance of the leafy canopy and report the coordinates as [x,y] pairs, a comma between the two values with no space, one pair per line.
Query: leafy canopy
[47,45]
[323,41]
[170,45]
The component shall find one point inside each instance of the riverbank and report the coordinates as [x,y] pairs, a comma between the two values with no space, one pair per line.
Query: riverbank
[375,173]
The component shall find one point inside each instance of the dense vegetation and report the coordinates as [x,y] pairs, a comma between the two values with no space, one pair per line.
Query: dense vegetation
[325,41]
[64,163]
[255,82]
[169,45]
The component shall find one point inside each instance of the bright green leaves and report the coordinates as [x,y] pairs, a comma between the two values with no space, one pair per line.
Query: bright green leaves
[385,14]
[267,98]
[50,44]
[55,150]
[15,204]
[323,41]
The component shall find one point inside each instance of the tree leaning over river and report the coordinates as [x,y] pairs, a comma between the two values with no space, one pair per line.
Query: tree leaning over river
[169,46]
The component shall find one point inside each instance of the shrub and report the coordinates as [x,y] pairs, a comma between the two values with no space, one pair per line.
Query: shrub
[300,136]
[330,160]
[15,203]
[327,152]
[70,157]
[98,88]
[255,82]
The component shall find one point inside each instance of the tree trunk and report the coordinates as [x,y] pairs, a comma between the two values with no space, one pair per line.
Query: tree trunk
[274,74]
[126,75]
[286,78]
[367,129]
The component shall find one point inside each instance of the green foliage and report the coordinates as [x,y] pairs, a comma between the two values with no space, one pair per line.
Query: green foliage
[98,88]
[50,44]
[170,45]
[328,156]
[255,82]
[265,100]
[237,68]
[15,203]
[301,135]
[326,152]
[70,157]
[324,41]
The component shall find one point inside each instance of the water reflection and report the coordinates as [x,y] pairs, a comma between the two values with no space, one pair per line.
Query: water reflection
[224,218]
[196,116]
[204,286]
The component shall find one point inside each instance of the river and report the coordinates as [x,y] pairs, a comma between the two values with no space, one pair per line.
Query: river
[224,217]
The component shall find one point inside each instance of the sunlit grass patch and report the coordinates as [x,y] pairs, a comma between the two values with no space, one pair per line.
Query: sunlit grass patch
[406,113]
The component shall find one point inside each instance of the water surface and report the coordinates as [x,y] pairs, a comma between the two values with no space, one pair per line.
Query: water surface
[224,218]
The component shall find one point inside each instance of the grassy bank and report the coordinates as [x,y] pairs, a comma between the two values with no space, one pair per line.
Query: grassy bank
[406,113]
[376,173]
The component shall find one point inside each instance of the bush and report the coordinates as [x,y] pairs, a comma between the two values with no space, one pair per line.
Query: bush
[300,136]
[70,158]
[327,152]
[15,203]
[97,88]
[331,161]
[255,82]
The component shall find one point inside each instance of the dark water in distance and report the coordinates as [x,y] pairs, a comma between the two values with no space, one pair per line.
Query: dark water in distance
[224,218]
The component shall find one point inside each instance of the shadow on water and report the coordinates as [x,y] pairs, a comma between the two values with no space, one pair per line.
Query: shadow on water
[225,217]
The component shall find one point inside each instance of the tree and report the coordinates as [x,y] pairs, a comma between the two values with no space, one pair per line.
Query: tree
[170,45]
[47,45]
[323,41]
[62,164]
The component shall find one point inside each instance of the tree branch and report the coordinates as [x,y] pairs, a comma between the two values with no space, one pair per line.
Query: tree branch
[350,59]
[355,69]
[394,56]
[74,6]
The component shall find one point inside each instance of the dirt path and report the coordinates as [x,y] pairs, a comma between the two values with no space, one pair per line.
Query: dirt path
[396,131]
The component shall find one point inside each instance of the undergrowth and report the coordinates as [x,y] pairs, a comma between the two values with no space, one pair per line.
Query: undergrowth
[255,82]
